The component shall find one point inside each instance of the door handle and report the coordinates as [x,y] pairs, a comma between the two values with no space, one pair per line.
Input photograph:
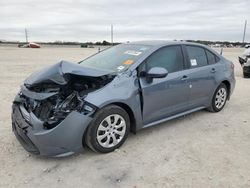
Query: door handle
[185,77]
[213,70]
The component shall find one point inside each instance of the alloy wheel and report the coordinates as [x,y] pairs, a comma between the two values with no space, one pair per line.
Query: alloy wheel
[220,98]
[111,131]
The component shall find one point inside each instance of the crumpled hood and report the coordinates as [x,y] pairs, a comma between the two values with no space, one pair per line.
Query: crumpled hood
[58,73]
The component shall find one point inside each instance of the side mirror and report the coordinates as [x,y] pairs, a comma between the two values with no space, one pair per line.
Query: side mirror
[155,72]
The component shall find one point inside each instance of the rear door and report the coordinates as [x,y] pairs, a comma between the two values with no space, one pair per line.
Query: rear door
[201,76]
[164,97]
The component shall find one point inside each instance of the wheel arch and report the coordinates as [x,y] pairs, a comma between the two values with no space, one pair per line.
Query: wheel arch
[130,113]
[228,85]
[122,105]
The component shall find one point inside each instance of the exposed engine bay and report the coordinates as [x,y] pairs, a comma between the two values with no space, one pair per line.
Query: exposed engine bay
[51,101]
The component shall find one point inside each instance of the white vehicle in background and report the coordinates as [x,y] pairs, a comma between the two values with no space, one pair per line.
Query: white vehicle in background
[245,62]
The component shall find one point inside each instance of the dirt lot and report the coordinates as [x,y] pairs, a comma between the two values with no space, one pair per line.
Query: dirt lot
[200,150]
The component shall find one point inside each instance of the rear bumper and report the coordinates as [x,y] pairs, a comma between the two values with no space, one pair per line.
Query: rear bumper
[62,140]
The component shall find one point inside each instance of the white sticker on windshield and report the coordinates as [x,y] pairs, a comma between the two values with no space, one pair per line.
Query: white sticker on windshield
[193,62]
[120,68]
[132,52]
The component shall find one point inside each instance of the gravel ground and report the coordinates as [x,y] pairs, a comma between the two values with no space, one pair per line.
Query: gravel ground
[200,150]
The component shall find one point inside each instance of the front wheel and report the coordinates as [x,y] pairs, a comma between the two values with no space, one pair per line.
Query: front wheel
[108,129]
[219,98]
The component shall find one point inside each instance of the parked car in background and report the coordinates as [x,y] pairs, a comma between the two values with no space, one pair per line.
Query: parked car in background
[29,45]
[245,62]
[97,102]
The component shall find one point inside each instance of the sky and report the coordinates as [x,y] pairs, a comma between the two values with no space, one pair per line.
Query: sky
[90,20]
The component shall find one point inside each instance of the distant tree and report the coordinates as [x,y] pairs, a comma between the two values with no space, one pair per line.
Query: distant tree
[105,43]
[89,43]
[98,43]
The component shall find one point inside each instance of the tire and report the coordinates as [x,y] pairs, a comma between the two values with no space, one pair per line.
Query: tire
[219,99]
[108,130]
[246,75]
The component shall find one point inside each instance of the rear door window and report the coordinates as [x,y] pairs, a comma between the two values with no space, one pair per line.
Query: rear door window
[212,59]
[197,56]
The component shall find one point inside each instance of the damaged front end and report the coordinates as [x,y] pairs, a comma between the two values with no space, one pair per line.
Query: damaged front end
[53,93]
[52,102]
[52,107]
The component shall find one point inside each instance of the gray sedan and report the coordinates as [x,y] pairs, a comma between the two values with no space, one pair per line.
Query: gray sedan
[64,108]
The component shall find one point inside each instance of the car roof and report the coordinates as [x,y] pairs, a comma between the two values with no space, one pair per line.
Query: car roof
[160,43]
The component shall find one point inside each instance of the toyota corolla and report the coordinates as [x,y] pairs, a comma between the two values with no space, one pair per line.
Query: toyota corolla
[64,108]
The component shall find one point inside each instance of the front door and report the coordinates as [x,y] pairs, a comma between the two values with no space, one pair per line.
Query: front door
[164,97]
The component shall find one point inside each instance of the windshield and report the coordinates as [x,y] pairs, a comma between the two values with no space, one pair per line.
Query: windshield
[117,58]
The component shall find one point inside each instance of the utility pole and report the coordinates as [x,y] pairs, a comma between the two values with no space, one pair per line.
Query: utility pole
[244,33]
[112,34]
[26,35]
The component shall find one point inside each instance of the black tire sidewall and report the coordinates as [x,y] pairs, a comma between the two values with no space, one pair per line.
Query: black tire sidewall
[215,109]
[91,137]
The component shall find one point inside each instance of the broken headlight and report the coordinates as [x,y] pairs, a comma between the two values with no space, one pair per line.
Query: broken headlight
[73,102]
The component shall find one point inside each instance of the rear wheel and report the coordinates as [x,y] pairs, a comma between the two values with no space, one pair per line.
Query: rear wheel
[219,98]
[108,130]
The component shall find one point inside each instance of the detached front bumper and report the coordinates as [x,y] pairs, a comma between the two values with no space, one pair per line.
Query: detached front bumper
[62,140]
